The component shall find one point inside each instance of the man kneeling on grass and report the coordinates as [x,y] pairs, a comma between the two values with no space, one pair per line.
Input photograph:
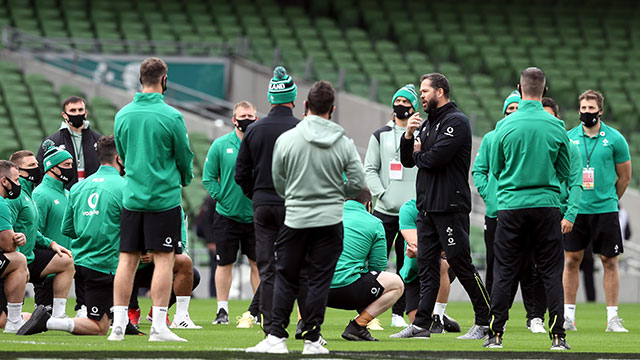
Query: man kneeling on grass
[359,282]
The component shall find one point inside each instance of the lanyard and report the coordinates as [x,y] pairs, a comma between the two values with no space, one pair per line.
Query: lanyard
[396,145]
[589,153]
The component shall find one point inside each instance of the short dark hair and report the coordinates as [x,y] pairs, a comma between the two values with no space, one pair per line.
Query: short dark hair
[363,197]
[5,167]
[107,149]
[72,100]
[532,82]
[152,70]
[438,81]
[592,95]
[321,97]
[17,156]
[549,102]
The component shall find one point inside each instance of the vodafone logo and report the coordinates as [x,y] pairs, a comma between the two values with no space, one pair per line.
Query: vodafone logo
[93,200]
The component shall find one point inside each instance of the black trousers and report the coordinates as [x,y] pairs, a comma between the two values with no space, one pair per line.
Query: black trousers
[43,292]
[316,249]
[489,236]
[448,231]
[519,234]
[530,282]
[268,220]
[392,233]
[79,291]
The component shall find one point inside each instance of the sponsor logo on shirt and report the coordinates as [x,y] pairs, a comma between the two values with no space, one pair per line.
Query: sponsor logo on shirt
[92,202]
[449,131]
[577,142]
[230,151]
[56,202]
[605,142]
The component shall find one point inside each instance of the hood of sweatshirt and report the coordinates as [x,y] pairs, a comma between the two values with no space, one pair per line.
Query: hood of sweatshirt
[319,131]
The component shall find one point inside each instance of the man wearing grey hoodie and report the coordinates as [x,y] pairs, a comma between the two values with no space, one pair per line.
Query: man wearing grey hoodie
[315,167]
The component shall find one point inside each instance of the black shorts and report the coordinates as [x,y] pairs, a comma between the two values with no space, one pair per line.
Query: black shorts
[157,231]
[358,295]
[98,290]
[601,230]
[42,258]
[412,295]
[4,263]
[232,236]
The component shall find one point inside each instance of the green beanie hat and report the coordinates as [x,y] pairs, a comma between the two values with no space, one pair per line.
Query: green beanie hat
[409,92]
[514,97]
[282,89]
[53,155]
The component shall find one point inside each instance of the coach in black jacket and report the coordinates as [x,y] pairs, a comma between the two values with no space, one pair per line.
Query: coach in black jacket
[253,174]
[74,115]
[442,153]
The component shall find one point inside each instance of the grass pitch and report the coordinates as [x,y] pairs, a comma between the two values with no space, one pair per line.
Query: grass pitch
[226,341]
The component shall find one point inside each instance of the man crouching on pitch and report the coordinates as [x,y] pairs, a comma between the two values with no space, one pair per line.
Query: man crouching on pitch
[359,282]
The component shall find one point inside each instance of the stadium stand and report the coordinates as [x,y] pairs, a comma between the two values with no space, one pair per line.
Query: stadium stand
[369,48]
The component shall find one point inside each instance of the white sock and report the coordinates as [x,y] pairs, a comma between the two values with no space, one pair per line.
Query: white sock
[570,311]
[612,311]
[59,307]
[66,324]
[223,305]
[439,309]
[120,317]
[182,306]
[14,311]
[159,318]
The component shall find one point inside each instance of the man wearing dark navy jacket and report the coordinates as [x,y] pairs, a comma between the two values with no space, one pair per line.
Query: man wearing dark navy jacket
[442,153]
[253,174]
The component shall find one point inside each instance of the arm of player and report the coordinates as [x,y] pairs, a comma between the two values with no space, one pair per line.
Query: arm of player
[6,241]
[372,167]
[183,153]
[353,171]
[278,171]
[563,161]
[211,172]
[377,260]
[67,228]
[448,142]
[480,170]
[411,238]
[42,241]
[43,209]
[623,170]
[244,167]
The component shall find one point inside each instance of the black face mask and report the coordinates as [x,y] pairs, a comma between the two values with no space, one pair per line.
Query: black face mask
[589,119]
[164,86]
[15,189]
[76,120]
[401,111]
[65,174]
[244,124]
[34,175]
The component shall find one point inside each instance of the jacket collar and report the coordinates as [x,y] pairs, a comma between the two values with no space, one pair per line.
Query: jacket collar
[354,205]
[438,113]
[280,110]
[53,183]
[148,98]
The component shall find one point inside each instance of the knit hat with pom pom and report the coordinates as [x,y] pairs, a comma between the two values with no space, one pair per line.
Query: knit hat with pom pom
[53,155]
[282,89]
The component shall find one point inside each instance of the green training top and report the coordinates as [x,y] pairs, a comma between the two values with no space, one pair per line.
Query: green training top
[530,158]
[51,198]
[152,141]
[92,220]
[607,149]
[364,248]
[25,219]
[217,177]
[483,179]
[5,216]
[408,220]
[571,190]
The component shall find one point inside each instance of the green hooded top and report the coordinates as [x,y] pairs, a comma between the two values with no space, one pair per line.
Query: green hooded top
[530,158]
[51,198]
[218,179]
[25,219]
[364,248]
[483,179]
[92,220]
[152,141]
[308,166]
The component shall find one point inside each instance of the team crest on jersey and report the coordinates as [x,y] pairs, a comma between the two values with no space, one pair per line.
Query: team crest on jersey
[605,142]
